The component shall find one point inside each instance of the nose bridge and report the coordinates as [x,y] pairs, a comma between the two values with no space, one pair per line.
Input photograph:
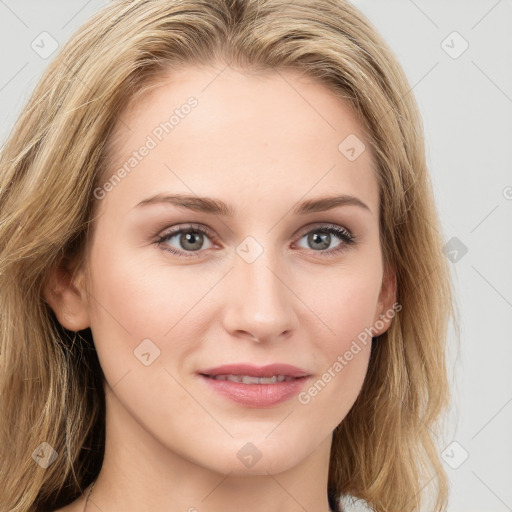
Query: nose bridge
[259,269]
[259,299]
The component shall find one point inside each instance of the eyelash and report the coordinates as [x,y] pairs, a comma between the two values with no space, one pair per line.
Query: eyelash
[347,239]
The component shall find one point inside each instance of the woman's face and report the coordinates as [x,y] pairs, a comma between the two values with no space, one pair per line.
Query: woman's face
[262,285]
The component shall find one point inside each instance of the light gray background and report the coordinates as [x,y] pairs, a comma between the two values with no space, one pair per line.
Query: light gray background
[466,104]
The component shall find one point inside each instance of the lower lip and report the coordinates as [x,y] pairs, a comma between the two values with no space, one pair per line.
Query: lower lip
[256,395]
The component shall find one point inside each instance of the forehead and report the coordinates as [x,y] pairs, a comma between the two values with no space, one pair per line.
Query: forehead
[249,135]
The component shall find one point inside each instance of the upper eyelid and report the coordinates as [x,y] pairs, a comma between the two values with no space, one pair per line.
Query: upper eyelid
[300,232]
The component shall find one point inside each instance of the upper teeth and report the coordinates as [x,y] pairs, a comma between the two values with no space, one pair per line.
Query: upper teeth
[246,379]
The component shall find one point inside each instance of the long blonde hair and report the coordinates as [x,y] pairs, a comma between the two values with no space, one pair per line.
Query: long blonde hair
[51,383]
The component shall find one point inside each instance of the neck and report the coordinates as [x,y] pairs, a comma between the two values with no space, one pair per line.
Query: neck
[140,473]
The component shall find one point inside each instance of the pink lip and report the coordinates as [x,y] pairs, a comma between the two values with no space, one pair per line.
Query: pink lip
[256,371]
[256,395]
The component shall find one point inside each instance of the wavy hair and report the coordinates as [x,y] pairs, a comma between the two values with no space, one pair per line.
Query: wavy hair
[51,384]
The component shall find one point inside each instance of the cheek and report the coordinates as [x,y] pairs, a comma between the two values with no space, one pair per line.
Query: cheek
[349,306]
[139,295]
[133,300]
[347,316]
[124,311]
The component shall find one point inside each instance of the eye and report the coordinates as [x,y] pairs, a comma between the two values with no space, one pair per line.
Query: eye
[320,239]
[190,239]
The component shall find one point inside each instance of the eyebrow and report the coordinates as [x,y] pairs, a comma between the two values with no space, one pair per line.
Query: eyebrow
[219,207]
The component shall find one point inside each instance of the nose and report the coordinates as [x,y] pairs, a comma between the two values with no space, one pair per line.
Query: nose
[259,304]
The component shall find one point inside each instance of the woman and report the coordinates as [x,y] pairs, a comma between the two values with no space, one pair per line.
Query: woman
[172,337]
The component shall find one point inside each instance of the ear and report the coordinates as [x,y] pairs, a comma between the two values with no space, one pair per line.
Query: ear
[67,297]
[386,310]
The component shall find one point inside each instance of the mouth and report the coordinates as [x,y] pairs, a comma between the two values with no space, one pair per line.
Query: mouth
[248,379]
[253,386]
[278,371]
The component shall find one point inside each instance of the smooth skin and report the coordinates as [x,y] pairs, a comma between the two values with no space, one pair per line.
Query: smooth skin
[260,142]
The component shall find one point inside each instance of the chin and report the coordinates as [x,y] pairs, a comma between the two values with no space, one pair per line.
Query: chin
[257,455]
[267,464]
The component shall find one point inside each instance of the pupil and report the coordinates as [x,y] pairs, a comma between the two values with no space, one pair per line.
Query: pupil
[191,238]
[324,237]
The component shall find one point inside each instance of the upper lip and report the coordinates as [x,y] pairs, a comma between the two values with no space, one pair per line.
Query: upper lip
[256,371]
